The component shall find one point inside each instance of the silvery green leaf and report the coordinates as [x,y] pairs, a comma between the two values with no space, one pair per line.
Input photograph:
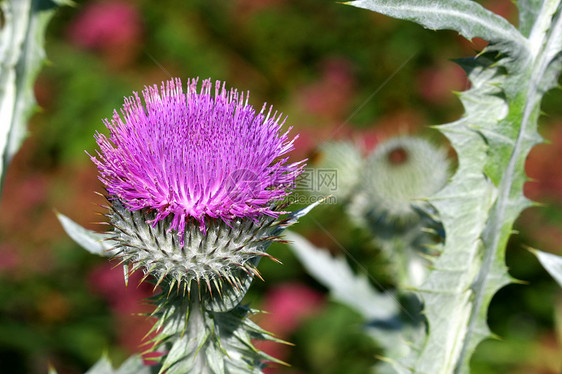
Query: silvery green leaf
[528,12]
[467,17]
[93,242]
[344,285]
[483,200]
[21,55]
[388,322]
[552,263]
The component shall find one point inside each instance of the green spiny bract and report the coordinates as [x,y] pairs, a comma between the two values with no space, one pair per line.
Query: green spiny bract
[221,256]
[200,340]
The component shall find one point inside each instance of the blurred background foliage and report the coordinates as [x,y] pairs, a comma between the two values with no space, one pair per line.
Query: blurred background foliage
[338,73]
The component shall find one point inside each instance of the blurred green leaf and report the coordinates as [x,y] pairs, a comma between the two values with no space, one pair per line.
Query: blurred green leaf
[382,311]
[93,242]
[552,263]
[21,56]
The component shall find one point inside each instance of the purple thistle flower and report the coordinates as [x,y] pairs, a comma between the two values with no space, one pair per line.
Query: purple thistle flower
[196,156]
[211,169]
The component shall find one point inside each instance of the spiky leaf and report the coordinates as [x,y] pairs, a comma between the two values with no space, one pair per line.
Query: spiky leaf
[93,242]
[467,17]
[21,56]
[478,207]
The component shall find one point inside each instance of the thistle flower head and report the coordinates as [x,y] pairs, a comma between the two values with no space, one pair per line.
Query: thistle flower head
[194,155]
[195,182]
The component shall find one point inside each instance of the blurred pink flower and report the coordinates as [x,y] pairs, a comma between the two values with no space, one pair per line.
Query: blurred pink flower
[309,138]
[286,306]
[400,122]
[541,230]
[470,47]
[367,139]
[329,97]
[23,199]
[505,8]
[436,84]
[126,302]
[107,281]
[112,27]
[9,258]
[247,8]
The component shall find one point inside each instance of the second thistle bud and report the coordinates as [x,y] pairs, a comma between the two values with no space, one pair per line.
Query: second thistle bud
[398,175]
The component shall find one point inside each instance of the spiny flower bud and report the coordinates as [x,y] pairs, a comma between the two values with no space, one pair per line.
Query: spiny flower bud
[206,257]
[399,173]
[389,201]
[195,181]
